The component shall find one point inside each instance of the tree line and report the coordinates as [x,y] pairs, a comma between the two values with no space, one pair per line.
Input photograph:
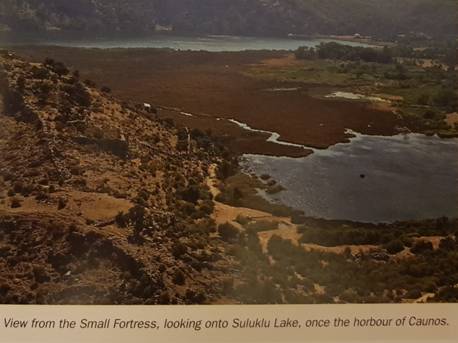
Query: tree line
[336,51]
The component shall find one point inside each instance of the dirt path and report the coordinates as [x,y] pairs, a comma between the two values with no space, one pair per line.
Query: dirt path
[424,299]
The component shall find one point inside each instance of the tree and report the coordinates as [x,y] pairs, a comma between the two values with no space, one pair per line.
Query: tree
[336,51]
[422,247]
[58,67]
[451,56]
[226,169]
[228,232]
[446,97]
[304,53]
[448,244]
[179,278]
[423,99]
[237,194]
[395,246]
[191,194]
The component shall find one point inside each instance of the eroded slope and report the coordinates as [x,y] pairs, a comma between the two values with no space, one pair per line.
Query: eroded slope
[99,201]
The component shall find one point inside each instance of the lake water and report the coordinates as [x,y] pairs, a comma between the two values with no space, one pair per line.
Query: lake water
[371,179]
[207,43]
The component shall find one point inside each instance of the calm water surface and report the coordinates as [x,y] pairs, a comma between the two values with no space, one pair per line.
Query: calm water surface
[372,179]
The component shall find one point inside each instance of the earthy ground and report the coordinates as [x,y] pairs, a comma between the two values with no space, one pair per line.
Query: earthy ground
[91,194]
[218,85]
[452,119]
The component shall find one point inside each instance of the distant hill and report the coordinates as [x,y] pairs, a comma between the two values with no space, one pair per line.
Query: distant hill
[382,18]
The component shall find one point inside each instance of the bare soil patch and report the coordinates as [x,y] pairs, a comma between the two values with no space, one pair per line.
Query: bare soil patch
[452,119]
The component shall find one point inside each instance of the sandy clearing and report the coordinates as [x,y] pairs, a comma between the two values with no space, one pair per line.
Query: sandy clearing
[287,231]
[435,240]
[98,207]
[28,205]
[452,119]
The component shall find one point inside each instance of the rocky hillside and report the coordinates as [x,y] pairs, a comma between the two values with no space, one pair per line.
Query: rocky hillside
[383,18]
[99,202]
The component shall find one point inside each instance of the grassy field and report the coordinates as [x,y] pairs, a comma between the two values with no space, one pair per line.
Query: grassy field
[320,73]
[416,92]
[219,85]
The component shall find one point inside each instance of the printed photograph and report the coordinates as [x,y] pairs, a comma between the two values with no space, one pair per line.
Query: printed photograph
[228,152]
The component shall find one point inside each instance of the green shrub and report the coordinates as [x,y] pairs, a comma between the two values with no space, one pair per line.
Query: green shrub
[446,97]
[190,194]
[40,73]
[164,298]
[262,225]
[414,293]
[207,207]
[242,220]
[57,67]
[226,169]
[448,244]
[228,232]
[78,94]
[121,220]
[395,246]
[179,249]
[15,203]
[179,278]
[422,247]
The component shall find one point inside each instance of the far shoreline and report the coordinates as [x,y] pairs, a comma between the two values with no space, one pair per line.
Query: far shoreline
[58,37]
